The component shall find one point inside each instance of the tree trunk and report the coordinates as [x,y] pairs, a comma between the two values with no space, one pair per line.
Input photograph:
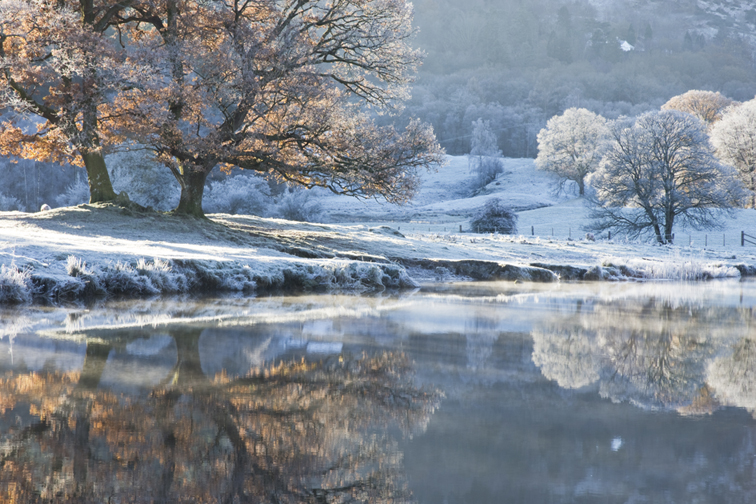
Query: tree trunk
[100,188]
[659,236]
[668,230]
[581,186]
[192,183]
[669,222]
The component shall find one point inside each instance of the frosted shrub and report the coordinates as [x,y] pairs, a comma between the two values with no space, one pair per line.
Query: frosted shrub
[298,205]
[76,193]
[146,181]
[76,267]
[494,217]
[242,194]
[15,285]
[9,203]
[162,275]
[90,284]
[122,278]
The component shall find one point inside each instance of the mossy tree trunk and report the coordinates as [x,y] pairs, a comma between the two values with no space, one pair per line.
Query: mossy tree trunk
[100,187]
[192,181]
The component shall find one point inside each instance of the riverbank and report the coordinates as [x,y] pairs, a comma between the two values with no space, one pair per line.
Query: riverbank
[103,250]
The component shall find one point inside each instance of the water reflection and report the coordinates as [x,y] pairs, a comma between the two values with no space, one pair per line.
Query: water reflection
[652,352]
[611,393]
[733,375]
[297,431]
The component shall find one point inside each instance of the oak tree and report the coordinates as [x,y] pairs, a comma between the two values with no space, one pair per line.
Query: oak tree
[58,65]
[707,106]
[278,87]
[661,171]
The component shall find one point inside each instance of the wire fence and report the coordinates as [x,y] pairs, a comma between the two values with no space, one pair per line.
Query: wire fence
[729,239]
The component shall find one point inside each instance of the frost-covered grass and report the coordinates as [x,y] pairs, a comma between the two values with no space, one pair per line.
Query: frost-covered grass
[671,269]
[15,285]
[159,276]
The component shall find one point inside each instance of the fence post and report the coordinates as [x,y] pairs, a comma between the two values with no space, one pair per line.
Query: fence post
[706,241]
[532,231]
[610,235]
[552,232]
[742,238]
[460,228]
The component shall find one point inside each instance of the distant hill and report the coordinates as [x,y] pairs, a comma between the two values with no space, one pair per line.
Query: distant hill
[516,63]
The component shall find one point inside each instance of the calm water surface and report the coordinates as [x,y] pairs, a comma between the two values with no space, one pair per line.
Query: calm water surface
[474,393]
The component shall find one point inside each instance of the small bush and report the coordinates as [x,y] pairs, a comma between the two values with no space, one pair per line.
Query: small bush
[146,181]
[494,217]
[241,194]
[297,205]
[9,203]
[76,193]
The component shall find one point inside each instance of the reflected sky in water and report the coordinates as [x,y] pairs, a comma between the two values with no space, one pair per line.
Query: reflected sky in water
[486,392]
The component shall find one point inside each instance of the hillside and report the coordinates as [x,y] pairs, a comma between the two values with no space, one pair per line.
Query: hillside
[516,64]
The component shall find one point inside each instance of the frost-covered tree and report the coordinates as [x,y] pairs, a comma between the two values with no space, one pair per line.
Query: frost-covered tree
[734,138]
[485,154]
[277,87]
[660,171]
[571,146]
[57,67]
[707,106]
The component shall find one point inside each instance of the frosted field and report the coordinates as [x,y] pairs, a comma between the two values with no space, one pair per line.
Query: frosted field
[546,222]
[79,251]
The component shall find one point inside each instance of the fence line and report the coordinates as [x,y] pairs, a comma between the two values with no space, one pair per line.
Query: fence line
[417,227]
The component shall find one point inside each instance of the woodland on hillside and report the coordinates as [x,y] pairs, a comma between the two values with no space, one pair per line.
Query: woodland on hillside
[516,64]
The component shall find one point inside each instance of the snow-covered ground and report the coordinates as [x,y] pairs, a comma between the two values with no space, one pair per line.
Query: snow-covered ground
[447,195]
[90,250]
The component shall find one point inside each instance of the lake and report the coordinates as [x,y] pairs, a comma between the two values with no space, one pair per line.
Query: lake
[454,393]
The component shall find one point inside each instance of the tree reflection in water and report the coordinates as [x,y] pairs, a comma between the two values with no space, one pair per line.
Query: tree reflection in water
[293,432]
[733,375]
[655,354]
